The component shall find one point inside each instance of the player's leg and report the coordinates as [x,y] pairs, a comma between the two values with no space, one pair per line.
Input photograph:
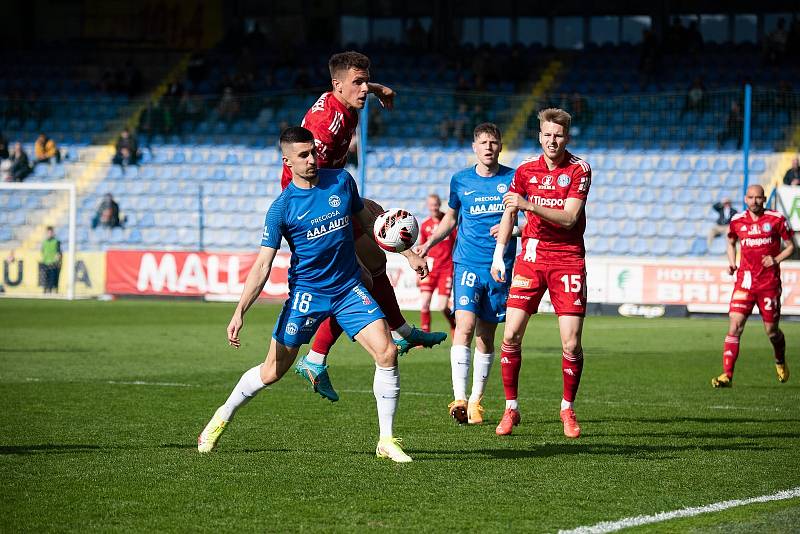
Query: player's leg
[770,307]
[740,309]
[570,327]
[443,288]
[460,361]
[365,323]
[481,367]
[405,336]
[425,310]
[279,359]
[510,364]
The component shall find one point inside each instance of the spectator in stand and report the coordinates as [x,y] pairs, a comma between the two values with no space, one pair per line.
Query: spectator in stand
[228,108]
[725,213]
[694,39]
[45,150]
[50,266]
[695,98]
[190,112]
[734,124]
[20,167]
[3,147]
[775,43]
[107,214]
[792,176]
[127,150]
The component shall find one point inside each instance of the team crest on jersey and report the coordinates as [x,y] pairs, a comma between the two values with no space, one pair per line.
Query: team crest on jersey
[291,329]
[547,183]
[767,227]
[463,300]
[563,180]
[502,188]
[334,201]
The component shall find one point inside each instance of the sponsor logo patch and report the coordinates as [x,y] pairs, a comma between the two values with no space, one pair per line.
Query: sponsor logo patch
[547,183]
[740,295]
[520,281]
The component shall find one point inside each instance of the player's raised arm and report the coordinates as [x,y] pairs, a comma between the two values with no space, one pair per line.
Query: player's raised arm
[444,229]
[256,279]
[385,94]
[504,234]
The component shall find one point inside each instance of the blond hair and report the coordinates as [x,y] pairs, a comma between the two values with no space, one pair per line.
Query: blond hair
[557,116]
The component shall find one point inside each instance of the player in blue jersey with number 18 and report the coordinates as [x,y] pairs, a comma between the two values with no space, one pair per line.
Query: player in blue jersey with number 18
[314,215]
[476,205]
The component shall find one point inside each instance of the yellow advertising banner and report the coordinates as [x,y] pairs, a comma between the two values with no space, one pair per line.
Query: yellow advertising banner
[21,274]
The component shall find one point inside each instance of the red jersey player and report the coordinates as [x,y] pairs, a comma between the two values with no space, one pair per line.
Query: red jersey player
[333,120]
[552,191]
[761,234]
[440,266]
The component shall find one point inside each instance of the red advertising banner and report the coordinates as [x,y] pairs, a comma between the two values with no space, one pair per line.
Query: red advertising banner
[216,275]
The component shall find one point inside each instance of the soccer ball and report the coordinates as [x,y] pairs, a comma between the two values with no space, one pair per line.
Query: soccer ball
[396,230]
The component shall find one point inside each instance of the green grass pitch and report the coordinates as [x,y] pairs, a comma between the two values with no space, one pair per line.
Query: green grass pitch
[103,401]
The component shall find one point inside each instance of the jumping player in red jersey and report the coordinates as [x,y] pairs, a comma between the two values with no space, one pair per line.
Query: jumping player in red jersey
[761,234]
[551,190]
[440,266]
[333,120]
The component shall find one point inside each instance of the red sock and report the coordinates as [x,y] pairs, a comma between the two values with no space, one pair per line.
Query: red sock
[327,334]
[779,346]
[425,320]
[510,362]
[448,314]
[571,367]
[383,292]
[729,354]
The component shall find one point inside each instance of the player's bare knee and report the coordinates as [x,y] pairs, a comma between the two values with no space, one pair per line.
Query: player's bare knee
[571,346]
[387,357]
[512,338]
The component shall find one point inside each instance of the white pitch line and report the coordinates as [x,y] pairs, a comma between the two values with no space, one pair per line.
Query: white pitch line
[143,383]
[628,522]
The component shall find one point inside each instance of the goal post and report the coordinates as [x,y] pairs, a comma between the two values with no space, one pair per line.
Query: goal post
[26,236]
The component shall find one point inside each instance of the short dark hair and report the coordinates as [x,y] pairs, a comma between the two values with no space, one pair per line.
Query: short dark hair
[50,229]
[296,134]
[347,60]
[487,128]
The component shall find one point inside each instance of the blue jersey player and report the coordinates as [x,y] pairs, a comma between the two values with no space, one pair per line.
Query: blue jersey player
[476,206]
[314,214]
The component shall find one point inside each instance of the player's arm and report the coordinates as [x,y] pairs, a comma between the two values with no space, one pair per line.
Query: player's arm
[565,218]
[256,279]
[366,217]
[730,251]
[443,229]
[504,234]
[385,94]
[769,261]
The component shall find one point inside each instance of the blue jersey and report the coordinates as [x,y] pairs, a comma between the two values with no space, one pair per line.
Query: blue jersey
[479,201]
[316,223]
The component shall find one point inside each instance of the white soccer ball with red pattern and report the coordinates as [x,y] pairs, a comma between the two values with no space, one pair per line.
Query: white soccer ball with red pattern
[396,230]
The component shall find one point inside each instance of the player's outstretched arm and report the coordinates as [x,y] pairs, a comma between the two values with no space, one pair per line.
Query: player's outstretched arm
[256,279]
[504,233]
[385,94]
[730,251]
[443,229]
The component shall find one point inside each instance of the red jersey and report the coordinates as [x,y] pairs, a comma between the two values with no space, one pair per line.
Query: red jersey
[442,252]
[758,238]
[333,125]
[543,241]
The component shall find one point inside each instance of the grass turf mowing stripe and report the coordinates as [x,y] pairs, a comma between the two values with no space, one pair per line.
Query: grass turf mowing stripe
[639,520]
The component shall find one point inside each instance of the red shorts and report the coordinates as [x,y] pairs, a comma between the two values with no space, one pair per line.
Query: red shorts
[767,300]
[566,283]
[440,279]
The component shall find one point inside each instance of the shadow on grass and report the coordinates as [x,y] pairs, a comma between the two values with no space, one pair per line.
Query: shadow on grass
[54,448]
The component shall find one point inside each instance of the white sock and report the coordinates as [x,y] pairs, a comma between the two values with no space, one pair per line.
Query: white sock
[316,357]
[459,367]
[565,404]
[386,387]
[402,331]
[512,404]
[247,388]
[482,365]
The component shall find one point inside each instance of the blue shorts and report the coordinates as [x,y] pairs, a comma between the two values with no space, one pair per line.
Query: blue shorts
[305,310]
[476,291]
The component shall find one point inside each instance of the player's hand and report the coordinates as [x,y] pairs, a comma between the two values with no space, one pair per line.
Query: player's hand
[494,230]
[385,95]
[768,261]
[416,263]
[514,200]
[422,250]
[498,272]
[233,330]
[731,269]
